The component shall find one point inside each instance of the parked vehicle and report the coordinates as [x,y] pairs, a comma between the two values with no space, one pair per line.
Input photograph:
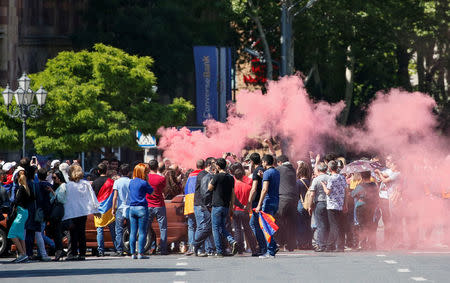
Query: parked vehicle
[176,229]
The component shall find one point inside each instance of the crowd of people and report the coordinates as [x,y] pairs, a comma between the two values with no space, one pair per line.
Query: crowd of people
[315,205]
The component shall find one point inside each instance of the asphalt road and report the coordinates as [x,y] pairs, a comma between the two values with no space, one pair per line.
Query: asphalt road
[298,266]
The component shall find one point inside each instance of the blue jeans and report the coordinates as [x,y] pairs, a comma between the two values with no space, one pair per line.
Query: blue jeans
[138,221]
[203,232]
[119,230]
[160,213]
[219,219]
[254,224]
[321,215]
[191,229]
[272,246]
[100,238]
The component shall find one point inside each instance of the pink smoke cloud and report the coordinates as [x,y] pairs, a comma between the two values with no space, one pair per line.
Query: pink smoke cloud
[285,111]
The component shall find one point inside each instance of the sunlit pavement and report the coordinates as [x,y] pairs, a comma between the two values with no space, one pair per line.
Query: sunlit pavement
[298,266]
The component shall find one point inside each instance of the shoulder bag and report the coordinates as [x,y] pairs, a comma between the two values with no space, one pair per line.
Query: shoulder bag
[308,201]
[39,212]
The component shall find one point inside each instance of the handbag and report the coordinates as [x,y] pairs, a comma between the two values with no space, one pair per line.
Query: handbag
[307,202]
[56,211]
[39,213]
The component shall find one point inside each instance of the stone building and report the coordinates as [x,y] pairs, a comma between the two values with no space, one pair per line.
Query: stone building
[32,31]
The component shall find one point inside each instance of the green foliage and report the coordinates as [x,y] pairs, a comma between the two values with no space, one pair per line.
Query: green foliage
[9,137]
[99,99]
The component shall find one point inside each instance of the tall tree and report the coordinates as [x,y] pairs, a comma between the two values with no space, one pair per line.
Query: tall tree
[98,99]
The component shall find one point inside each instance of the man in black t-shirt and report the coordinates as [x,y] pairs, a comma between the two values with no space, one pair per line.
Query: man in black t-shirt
[222,186]
[203,233]
[255,193]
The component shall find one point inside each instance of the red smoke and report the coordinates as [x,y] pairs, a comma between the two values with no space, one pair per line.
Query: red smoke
[399,124]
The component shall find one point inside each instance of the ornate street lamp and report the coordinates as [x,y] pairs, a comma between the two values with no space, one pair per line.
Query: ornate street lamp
[24,107]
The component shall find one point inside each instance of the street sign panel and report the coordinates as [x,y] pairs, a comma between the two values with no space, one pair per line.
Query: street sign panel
[145,141]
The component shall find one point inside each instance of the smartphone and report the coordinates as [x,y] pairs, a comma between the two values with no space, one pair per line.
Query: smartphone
[34,160]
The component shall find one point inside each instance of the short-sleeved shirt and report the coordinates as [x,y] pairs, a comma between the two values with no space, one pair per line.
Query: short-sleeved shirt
[336,184]
[272,175]
[316,186]
[158,184]
[138,190]
[256,177]
[242,192]
[98,184]
[223,188]
[122,186]
[198,197]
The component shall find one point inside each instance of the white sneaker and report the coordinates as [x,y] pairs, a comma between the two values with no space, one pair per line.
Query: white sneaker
[22,258]
[266,256]
[133,257]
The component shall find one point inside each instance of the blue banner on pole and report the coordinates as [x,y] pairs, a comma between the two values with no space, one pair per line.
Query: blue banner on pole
[206,76]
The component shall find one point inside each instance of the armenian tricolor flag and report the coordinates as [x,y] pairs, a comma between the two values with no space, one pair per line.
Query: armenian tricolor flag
[189,191]
[105,198]
[268,226]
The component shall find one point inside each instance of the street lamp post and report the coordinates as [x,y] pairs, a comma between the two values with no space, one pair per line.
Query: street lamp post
[287,16]
[24,107]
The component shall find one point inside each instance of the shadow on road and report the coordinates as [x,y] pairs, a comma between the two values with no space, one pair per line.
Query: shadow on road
[83,271]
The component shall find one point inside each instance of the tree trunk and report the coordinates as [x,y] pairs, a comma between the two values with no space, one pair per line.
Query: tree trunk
[349,76]
[403,58]
[262,34]
[421,69]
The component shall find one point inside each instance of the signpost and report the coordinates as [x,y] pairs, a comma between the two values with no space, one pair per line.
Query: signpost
[146,142]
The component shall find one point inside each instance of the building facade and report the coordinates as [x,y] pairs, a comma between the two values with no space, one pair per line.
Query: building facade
[32,31]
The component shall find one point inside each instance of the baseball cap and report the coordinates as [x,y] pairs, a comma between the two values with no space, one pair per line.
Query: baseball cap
[54,162]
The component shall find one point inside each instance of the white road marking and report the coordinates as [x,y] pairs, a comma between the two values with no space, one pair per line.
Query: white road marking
[292,254]
[381,255]
[418,279]
[182,263]
[403,270]
[429,252]
[180,273]
[390,261]
[179,281]
[180,258]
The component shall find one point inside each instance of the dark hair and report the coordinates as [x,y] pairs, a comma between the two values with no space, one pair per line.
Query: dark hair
[114,160]
[238,173]
[255,158]
[333,165]
[124,169]
[322,167]
[60,176]
[200,164]
[209,161]
[102,168]
[268,159]
[222,163]
[303,170]
[330,156]
[282,158]
[153,164]
[235,166]
[365,175]
[42,174]
[161,167]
